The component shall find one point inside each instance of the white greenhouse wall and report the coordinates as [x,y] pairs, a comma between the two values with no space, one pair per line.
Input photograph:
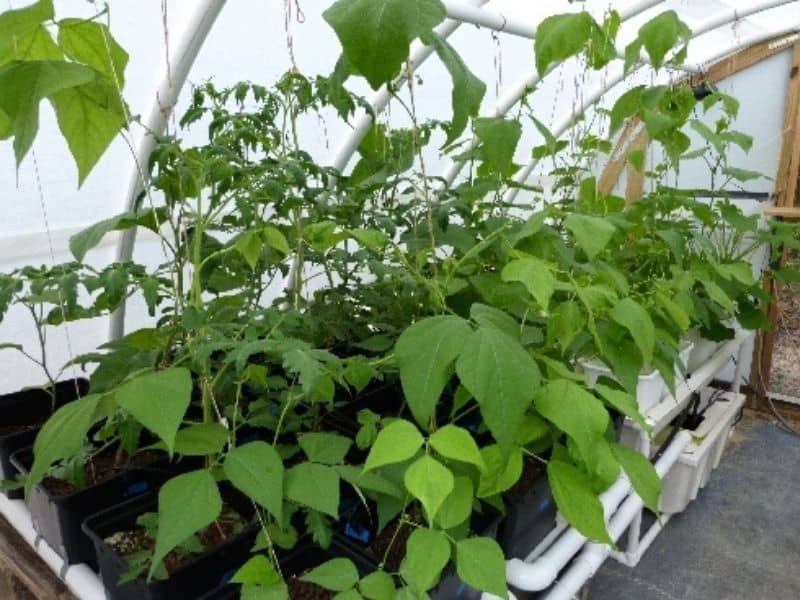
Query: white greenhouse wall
[248,42]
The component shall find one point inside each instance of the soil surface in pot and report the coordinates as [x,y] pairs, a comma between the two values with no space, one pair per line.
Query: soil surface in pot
[391,543]
[532,471]
[100,468]
[12,429]
[305,590]
[130,542]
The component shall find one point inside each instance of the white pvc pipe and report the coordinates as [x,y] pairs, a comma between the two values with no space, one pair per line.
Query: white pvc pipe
[418,54]
[466,13]
[199,25]
[589,561]
[541,574]
[509,99]
[709,25]
[80,579]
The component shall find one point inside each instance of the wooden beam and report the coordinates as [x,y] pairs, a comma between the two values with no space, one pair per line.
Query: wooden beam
[784,193]
[744,59]
[634,185]
[789,213]
[722,69]
[618,158]
[19,561]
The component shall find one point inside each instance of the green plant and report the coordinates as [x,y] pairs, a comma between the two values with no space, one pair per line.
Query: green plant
[424,344]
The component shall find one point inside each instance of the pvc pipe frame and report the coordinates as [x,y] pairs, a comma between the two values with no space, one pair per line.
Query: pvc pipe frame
[715,22]
[586,565]
[189,44]
[540,574]
[80,579]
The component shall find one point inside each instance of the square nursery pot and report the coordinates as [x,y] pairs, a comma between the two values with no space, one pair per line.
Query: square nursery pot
[202,576]
[357,531]
[530,512]
[295,563]
[57,517]
[22,415]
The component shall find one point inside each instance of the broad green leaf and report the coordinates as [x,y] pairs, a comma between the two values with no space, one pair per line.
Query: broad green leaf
[276,240]
[397,442]
[641,473]
[277,591]
[719,296]
[425,353]
[16,26]
[249,245]
[366,480]
[315,486]
[427,553]
[502,471]
[82,242]
[376,34]
[457,507]
[378,585]
[256,470]
[499,138]
[358,372]
[23,84]
[468,90]
[660,34]
[201,439]
[574,411]
[623,402]
[33,43]
[158,400]
[592,233]
[577,502]
[742,175]
[481,564]
[371,239]
[89,116]
[675,312]
[92,44]
[430,482]
[559,37]
[457,444]
[338,574]
[535,275]
[633,317]
[257,571]
[533,429]
[325,448]
[501,376]
[62,436]
[186,504]
[489,316]
[627,105]
[566,321]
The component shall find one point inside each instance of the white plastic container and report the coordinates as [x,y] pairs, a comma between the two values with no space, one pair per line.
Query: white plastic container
[651,387]
[693,468]
[649,390]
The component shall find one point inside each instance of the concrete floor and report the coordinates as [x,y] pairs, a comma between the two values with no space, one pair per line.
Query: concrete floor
[740,540]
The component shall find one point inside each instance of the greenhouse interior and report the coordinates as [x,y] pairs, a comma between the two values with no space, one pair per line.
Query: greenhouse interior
[399,299]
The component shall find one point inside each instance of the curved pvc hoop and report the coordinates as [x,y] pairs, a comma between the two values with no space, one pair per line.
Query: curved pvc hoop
[528,81]
[192,38]
[474,15]
[716,22]
[418,54]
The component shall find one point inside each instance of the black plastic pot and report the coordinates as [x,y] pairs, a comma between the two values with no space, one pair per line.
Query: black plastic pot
[58,519]
[192,580]
[298,561]
[529,518]
[22,415]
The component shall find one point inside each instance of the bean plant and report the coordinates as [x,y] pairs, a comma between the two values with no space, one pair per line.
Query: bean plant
[325,340]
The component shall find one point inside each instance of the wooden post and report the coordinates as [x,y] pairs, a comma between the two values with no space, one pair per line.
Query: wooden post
[785,194]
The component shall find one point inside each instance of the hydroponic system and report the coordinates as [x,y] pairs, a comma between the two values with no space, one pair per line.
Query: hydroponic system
[382,299]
